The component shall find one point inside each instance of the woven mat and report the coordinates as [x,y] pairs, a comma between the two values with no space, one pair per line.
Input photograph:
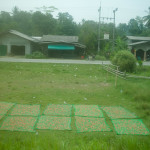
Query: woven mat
[58,110]
[25,110]
[118,112]
[1,116]
[130,126]
[54,123]
[88,110]
[19,123]
[5,107]
[87,124]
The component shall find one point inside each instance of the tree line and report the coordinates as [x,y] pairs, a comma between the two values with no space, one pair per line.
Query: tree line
[42,22]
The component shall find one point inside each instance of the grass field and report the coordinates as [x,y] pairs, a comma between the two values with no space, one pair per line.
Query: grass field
[36,83]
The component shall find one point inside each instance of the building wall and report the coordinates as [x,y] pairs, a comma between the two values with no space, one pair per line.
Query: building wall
[141,50]
[53,53]
[11,39]
[144,47]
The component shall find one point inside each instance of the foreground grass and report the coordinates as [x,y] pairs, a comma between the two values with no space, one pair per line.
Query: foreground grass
[33,83]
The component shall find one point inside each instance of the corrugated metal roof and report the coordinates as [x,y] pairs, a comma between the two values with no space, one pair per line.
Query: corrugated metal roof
[138,38]
[137,43]
[23,36]
[79,45]
[59,38]
[73,40]
[36,37]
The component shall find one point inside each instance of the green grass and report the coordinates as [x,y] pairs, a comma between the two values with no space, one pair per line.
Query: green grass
[35,83]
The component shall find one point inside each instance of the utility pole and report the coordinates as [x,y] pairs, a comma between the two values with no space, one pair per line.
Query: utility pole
[99,10]
[114,18]
[114,11]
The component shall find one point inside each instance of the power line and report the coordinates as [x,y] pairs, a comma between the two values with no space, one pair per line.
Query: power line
[99,10]
[107,18]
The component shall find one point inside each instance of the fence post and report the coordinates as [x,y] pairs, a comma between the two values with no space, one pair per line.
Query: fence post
[107,70]
[116,77]
[125,74]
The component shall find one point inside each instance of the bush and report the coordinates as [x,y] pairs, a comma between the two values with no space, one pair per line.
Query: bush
[98,57]
[125,60]
[140,62]
[36,55]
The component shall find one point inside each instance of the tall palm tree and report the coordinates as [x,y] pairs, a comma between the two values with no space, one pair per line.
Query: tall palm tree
[147,19]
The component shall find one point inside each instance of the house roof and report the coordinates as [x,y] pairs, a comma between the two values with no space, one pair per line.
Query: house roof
[59,38]
[50,39]
[23,35]
[137,43]
[37,37]
[138,38]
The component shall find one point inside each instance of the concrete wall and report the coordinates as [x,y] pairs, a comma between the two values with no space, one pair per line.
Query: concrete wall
[11,39]
[145,47]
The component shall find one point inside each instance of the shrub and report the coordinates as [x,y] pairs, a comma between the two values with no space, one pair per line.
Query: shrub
[140,62]
[125,60]
[98,57]
[36,55]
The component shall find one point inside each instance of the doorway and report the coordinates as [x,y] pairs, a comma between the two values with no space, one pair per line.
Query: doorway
[18,50]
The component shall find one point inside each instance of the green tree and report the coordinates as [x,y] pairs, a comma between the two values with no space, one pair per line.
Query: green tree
[120,44]
[134,28]
[66,25]
[43,23]
[88,36]
[22,21]
[47,10]
[5,21]
[147,19]
[122,30]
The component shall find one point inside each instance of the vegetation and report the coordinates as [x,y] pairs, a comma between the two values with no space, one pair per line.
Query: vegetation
[36,55]
[39,83]
[98,57]
[42,22]
[125,60]
[147,19]
[140,62]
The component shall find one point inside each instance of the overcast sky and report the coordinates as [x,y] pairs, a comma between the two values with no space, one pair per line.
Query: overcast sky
[85,9]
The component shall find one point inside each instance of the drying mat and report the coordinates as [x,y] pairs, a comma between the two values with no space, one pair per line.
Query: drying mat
[88,110]
[87,124]
[54,123]
[58,110]
[1,116]
[130,126]
[115,112]
[19,123]
[4,107]
[25,110]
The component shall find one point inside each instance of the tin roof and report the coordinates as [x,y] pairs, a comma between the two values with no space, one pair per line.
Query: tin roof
[137,43]
[23,36]
[138,38]
[59,38]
